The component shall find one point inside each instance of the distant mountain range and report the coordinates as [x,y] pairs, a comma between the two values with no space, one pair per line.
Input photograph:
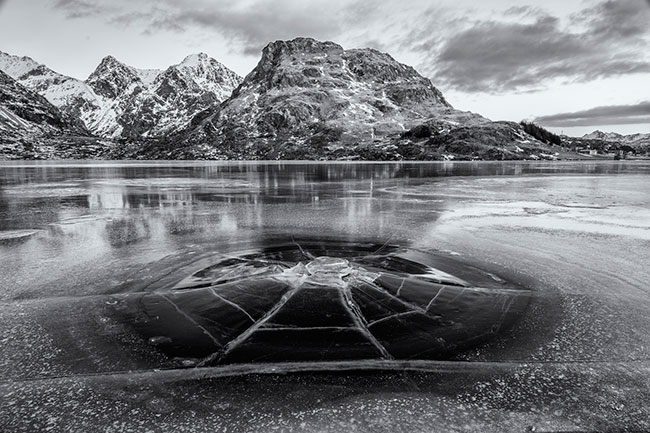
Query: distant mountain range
[117,100]
[634,140]
[305,99]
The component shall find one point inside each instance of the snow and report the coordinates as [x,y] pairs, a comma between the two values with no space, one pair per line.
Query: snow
[62,94]
[9,121]
[148,76]
[103,119]
[194,60]
[201,73]
[15,66]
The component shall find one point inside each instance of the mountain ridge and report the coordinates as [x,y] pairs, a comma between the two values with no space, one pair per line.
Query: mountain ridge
[305,99]
[636,139]
[118,100]
[309,99]
[31,127]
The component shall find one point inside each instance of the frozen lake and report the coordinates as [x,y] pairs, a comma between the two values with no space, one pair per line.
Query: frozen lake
[78,238]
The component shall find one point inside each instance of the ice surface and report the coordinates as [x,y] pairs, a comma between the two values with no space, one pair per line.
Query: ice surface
[576,234]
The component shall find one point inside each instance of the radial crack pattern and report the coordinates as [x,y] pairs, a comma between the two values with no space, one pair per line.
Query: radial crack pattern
[338,305]
[215,357]
[346,297]
[403,301]
[188,317]
[233,304]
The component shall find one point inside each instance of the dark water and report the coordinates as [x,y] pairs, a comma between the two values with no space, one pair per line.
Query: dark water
[74,238]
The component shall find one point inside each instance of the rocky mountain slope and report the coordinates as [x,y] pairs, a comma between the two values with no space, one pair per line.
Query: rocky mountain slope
[311,99]
[305,99]
[70,95]
[30,126]
[20,106]
[121,101]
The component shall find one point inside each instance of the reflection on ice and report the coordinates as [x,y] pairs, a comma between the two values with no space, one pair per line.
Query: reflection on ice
[10,236]
[111,272]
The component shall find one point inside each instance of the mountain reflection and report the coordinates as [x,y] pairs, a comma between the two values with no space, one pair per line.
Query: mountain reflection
[204,202]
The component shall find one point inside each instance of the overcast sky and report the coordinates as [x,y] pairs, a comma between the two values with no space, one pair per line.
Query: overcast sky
[572,66]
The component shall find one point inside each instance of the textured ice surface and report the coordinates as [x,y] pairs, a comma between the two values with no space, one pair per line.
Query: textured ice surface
[290,303]
[574,233]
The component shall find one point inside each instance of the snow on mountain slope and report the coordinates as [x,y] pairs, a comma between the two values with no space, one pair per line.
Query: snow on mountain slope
[120,100]
[23,112]
[208,75]
[304,90]
[600,135]
[15,66]
[631,139]
[9,121]
[41,79]
[147,76]
[72,96]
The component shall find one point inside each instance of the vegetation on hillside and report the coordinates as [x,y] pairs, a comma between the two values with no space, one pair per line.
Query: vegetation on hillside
[543,135]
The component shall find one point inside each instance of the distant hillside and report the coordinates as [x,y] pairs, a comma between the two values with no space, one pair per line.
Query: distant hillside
[543,135]
[633,140]
[610,144]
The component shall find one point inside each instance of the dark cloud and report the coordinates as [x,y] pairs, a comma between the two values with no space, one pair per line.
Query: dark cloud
[80,8]
[525,11]
[250,26]
[254,26]
[523,49]
[495,56]
[605,115]
[128,19]
[616,19]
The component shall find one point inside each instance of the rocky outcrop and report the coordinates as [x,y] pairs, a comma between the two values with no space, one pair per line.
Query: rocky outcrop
[304,90]
[315,100]
[112,79]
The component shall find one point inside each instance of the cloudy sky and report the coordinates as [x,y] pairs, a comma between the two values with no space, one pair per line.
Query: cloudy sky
[572,66]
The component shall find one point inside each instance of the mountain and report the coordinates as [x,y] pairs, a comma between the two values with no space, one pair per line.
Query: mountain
[20,105]
[633,140]
[118,100]
[305,99]
[30,126]
[173,97]
[312,99]
[66,93]
[600,135]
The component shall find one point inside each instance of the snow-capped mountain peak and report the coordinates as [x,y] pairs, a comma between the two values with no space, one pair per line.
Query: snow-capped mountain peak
[112,78]
[194,60]
[600,135]
[196,73]
[15,66]
[631,139]
[64,92]
[119,100]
